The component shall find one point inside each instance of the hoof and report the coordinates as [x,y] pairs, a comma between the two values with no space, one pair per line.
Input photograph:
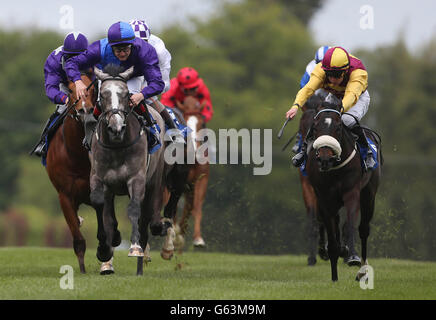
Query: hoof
[135,251]
[107,267]
[344,252]
[104,254]
[166,254]
[311,261]
[199,243]
[323,253]
[168,246]
[116,241]
[147,256]
[353,261]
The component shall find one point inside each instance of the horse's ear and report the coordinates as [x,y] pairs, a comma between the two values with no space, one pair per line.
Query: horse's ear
[128,73]
[100,74]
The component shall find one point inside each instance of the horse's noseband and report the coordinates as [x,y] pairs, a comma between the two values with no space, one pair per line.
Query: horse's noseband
[327,110]
[113,112]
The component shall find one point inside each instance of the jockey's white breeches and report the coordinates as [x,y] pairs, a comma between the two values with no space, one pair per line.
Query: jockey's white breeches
[136,85]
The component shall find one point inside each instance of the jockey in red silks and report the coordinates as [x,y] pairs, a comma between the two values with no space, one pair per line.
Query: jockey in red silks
[188,83]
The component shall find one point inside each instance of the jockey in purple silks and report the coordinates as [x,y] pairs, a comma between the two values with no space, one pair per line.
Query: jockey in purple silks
[121,47]
[56,80]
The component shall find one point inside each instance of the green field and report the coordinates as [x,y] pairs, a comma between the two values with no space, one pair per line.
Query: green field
[33,273]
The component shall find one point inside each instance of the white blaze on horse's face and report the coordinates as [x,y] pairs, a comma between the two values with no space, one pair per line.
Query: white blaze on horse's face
[116,121]
[328,122]
[192,124]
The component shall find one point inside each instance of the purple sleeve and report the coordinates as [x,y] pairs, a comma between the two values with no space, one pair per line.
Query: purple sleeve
[149,64]
[53,79]
[83,61]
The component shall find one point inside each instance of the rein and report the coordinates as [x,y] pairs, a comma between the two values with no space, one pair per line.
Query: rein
[123,146]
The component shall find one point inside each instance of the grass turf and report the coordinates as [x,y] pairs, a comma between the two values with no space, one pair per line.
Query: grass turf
[34,273]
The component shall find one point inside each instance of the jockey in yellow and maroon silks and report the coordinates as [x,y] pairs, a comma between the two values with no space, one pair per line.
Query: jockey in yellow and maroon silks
[345,78]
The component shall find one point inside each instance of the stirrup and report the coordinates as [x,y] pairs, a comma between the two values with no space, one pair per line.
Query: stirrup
[369,162]
[40,150]
[86,144]
[295,148]
[298,159]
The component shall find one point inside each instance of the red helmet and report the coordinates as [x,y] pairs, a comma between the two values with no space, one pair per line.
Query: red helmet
[188,78]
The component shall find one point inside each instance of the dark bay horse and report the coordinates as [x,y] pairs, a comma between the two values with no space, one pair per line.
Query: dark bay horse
[68,165]
[315,229]
[197,178]
[121,165]
[335,172]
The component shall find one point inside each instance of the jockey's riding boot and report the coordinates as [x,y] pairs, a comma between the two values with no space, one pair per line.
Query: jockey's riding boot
[147,124]
[299,158]
[297,144]
[363,141]
[173,131]
[90,124]
[40,149]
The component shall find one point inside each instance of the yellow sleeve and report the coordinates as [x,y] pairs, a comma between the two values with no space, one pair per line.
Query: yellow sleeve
[316,80]
[356,85]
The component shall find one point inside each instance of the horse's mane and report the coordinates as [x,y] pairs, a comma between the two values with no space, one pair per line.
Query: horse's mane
[113,70]
[313,102]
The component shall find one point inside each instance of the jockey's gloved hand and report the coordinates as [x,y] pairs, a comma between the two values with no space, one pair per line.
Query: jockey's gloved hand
[341,107]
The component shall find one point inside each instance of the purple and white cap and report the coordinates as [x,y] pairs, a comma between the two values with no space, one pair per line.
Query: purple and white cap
[140,28]
[75,43]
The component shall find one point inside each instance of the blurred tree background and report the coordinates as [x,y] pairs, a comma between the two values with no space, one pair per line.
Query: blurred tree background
[251,55]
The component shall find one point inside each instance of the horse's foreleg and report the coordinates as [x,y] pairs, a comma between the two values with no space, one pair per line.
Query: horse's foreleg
[108,225]
[136,187]
[333,247]
[70,214]
[197,209]
[352,205]
[97,198]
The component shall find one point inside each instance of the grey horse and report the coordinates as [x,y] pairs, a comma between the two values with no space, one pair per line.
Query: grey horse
[121,165]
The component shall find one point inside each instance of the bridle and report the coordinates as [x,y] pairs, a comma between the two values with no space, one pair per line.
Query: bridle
[108,114]
[338,158]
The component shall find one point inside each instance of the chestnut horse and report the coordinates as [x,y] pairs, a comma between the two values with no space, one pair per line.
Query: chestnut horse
[197,179]
[68,165]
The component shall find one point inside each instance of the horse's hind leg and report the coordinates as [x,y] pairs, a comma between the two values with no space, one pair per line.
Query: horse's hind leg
[70,214]
[312,222]
[367,204]
[197,209]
